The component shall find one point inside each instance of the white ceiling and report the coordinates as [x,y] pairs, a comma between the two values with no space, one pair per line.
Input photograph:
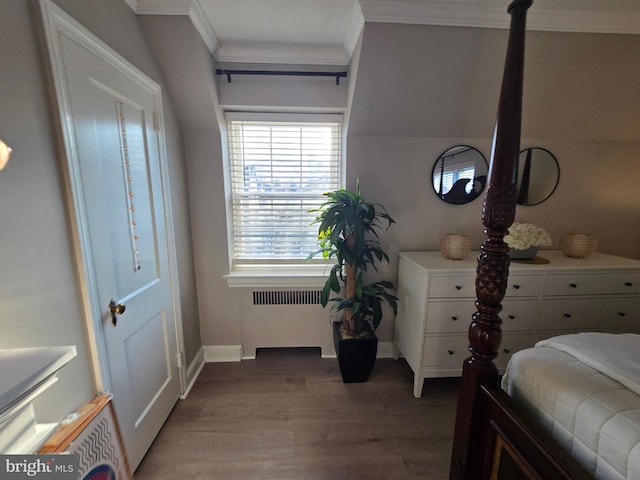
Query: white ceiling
[325,32]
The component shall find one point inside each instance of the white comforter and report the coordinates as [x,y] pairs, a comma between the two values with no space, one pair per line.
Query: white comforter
[589,402]
[615,355]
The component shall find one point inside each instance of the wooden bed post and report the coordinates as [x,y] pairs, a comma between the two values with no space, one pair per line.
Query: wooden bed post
[498,214]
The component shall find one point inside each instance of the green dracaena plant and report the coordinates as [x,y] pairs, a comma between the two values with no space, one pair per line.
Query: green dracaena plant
[347,231]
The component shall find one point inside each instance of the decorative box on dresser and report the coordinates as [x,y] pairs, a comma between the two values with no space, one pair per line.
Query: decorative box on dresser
[565,295]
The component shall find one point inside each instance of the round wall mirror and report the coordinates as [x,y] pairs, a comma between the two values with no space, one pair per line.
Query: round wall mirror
[459,174]
[538,175]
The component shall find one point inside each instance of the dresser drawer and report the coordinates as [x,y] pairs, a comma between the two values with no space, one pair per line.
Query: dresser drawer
[518,314]
[592,284]
[523,286]
[449,316]
[445,350]
[455,316]
[452,287]
[590,314]
[512,343]
[452,350]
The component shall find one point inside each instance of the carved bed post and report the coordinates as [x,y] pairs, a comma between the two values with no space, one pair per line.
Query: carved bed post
[498,214]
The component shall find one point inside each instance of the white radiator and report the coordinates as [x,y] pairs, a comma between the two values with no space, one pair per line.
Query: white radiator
[285,318]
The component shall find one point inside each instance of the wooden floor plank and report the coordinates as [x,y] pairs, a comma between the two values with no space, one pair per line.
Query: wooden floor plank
[288,415]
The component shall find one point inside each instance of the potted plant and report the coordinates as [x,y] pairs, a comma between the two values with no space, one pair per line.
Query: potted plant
[347,231]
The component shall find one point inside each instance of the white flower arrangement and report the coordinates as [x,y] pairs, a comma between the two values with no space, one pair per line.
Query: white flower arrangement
[526,235]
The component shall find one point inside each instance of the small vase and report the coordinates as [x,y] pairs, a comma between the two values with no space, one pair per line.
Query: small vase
[455,246]
[527,254]
[578,245]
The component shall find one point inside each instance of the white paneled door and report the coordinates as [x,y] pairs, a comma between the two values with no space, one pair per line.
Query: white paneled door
[112,134]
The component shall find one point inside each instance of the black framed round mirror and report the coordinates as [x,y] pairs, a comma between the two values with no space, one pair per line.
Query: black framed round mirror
[538,175]
[459,174]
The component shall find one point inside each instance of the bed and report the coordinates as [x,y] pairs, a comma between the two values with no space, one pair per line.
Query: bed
[515,429]
[585,390]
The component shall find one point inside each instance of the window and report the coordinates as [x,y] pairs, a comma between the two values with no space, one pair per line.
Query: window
[445,179]
[279,169]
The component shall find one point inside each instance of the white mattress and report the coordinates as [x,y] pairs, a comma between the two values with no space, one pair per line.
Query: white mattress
[592,415]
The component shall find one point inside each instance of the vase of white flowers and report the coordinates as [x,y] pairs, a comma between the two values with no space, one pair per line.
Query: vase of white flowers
[524,239]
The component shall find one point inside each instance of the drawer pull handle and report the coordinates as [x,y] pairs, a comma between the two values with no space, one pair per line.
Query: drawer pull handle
[621,314]
[567,315]
[505,350]
[454,318]
[458,287]
[512,317]
[516,286]
[628,284]
[573,285]
[450,352]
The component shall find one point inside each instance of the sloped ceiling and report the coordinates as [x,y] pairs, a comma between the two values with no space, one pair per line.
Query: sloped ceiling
[325,32]
[414,77]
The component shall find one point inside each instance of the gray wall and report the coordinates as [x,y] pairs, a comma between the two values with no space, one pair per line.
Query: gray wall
[422,89]
[40,295]
[418,91]
[200,96]
[189,70]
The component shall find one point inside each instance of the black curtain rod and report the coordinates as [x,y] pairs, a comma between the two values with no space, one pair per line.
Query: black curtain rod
[228,73]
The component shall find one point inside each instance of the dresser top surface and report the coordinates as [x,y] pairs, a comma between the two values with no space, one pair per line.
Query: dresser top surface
[433,260]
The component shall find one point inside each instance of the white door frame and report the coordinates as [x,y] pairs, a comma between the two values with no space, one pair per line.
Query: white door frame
[56,23]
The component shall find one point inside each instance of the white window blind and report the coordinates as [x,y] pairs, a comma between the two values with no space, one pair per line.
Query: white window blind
[452,173]
[279,172]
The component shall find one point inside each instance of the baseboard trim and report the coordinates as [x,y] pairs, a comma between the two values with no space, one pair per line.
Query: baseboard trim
[222,353]
[193,372]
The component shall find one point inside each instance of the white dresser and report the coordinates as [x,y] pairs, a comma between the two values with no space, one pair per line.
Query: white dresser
[566,295]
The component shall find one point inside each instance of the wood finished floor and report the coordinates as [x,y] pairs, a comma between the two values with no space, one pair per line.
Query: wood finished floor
[287,415]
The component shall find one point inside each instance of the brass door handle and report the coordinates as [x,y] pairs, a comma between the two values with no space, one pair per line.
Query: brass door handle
[116,309]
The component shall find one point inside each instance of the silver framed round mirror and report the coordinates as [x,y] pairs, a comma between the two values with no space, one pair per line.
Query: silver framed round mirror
[538,175]
[459,174]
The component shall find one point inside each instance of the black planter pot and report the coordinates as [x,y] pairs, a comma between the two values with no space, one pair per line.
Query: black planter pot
[356,356]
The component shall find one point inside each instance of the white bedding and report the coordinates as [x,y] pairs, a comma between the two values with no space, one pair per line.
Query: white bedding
[581,401]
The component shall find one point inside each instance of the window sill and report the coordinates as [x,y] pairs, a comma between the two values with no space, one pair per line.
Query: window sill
[283,276]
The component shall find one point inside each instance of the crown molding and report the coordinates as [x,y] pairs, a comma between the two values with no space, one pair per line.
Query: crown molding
[133,5]
[439,12]
[488,14]
[460,13]
[190,8]
[282,53]
[202,26]
[355,30]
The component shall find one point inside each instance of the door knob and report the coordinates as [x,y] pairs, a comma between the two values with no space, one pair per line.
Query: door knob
[116,309]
